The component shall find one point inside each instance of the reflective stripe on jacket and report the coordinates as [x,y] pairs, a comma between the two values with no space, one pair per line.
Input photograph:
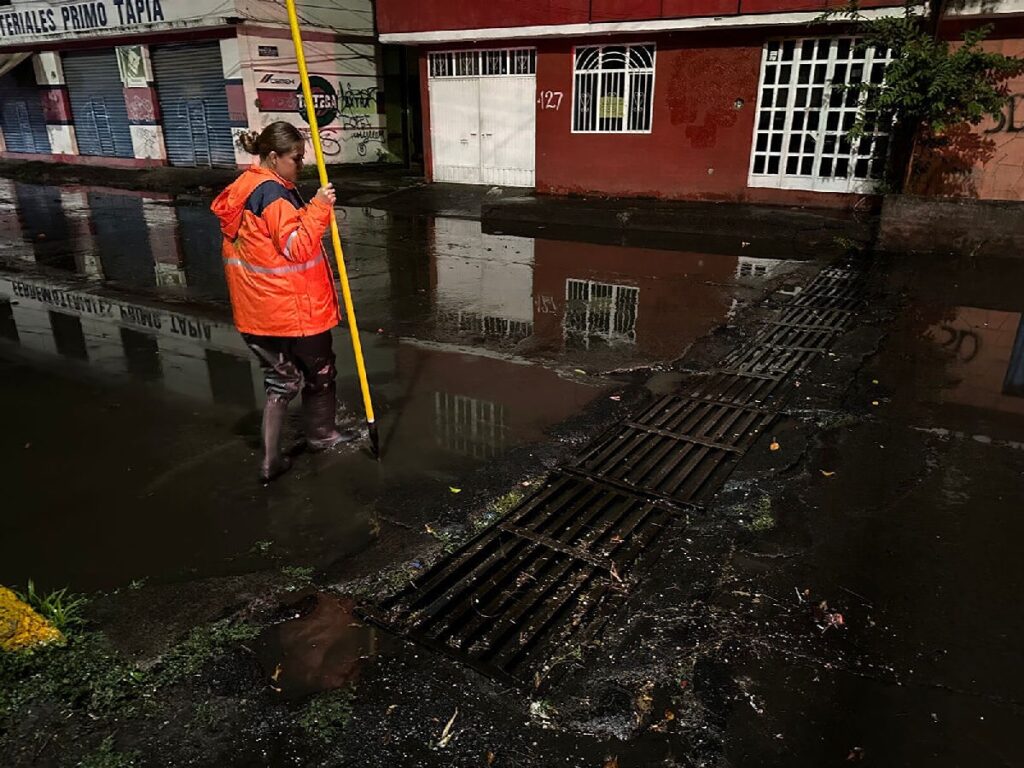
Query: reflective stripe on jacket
[277,272]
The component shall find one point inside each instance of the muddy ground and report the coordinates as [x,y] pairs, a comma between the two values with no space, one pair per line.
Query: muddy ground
[223,624]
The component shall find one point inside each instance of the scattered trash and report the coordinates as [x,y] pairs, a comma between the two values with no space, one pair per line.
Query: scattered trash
[21,627]
[856,755]
[611,762]
[744,244]
[874,402]
[616,398]
[448,733]
[380,330]
[491,757]
[580,371]
[391,709]
[454,490]
[417,564]
[774,446]
[615,573]
[826,473]
[874,381]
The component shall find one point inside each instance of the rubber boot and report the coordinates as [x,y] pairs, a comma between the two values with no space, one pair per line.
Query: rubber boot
[274,463]
[321,431]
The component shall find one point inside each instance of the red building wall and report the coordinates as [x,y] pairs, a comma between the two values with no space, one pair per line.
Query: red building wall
[699,145]
[396,16]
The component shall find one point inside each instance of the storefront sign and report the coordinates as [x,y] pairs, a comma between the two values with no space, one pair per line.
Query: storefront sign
[30,21]
[325,100]
[269,51]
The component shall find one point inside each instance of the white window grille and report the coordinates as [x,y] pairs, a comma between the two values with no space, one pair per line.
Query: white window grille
[489,326]
[613,89]
[800,132]
[600,311]
[760,268]
[468,426]
[508,61]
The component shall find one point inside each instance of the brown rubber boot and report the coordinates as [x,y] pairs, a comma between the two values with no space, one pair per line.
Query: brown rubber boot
[274,463]
[319,411]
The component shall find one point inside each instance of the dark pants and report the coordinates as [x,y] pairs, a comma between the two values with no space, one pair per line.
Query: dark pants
[291,365]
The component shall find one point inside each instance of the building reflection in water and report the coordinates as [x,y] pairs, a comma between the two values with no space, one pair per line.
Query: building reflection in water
[985,358]
[439,279]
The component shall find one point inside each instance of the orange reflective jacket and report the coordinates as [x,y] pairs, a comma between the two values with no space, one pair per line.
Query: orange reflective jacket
[277,272]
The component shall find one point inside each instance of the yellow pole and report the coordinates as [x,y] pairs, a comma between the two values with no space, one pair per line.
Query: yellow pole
[339,255]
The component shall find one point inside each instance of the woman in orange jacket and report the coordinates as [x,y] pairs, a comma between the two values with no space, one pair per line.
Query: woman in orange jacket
[282,288]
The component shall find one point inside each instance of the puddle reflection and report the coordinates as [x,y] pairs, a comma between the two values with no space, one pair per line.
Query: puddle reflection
[323,648]
[430,277]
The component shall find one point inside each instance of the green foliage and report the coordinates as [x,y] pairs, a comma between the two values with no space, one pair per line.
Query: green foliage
[87,675]
[202,644]
[108,757]
[763,520]
[326,716]
[298,576]
[930,84]
[62,608]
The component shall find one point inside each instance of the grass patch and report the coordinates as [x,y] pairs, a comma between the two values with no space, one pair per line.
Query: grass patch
[87,675]
[326,716]
[62,608]
[498,508]
[108,757]
[763,518]
[298,576]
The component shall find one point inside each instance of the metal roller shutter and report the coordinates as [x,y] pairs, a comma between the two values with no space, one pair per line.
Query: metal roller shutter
[193,104]
[97,104]
[21,112]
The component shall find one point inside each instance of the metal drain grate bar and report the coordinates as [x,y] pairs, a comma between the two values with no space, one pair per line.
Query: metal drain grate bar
[774,360]
[694,440]
[819,318]
[818,301]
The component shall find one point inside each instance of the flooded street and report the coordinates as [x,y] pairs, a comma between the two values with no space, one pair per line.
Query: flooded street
[845,597]
[118,347]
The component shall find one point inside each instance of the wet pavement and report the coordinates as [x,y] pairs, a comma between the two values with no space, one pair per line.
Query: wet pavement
[847,599]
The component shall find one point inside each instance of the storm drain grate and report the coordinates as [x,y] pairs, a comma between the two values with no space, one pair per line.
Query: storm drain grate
[543,580]
[517,599]
[680,449]
[760,391]
[770,360]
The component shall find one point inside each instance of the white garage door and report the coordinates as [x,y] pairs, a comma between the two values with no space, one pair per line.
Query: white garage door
[483,116]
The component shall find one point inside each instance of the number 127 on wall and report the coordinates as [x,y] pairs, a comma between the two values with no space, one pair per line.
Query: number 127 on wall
[550,100]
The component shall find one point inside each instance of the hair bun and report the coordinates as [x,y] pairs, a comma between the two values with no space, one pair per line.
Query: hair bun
[249,141]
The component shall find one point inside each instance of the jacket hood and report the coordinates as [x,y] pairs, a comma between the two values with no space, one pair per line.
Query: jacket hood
[230,204]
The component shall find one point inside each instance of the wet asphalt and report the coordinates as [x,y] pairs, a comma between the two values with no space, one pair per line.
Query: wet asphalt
[130,450]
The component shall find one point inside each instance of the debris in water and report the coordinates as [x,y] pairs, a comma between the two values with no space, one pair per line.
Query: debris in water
[448,733]
[826,473]
[616,398]
[611,762]
[856,755]
[454,490]
[491,757]
[874,402]
[580,371]
[391,709]
[774,446]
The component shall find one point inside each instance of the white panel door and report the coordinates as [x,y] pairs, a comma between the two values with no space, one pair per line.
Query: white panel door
[455,129]
[508,129]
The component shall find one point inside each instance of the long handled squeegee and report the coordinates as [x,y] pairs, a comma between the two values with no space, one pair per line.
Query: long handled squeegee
[339,255]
